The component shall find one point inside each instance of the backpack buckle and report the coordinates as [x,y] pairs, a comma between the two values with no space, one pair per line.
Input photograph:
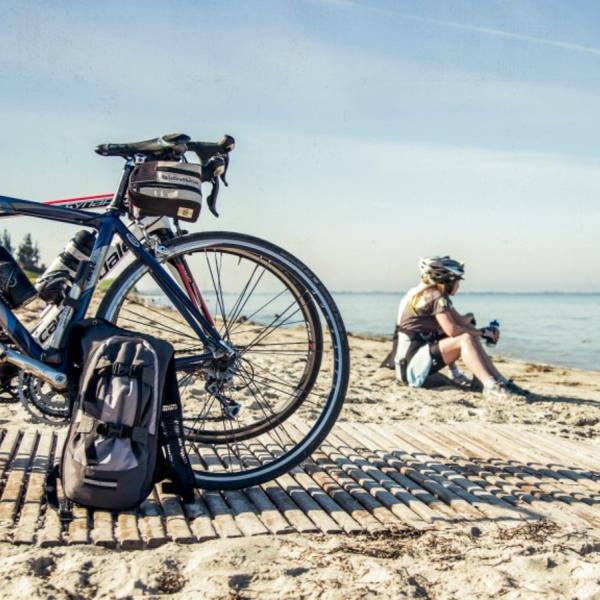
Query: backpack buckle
[124,370]
[113,430]
[65,510]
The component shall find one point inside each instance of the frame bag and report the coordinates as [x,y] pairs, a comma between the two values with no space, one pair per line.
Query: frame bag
[125,431]
[167,189]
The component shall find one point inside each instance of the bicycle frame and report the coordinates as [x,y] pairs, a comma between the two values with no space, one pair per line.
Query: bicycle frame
[107,225]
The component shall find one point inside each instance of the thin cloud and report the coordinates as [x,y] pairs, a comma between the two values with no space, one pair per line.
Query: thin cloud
[505,34]
[472,28]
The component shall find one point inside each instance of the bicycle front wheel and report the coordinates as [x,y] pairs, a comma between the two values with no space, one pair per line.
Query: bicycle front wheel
[266,410]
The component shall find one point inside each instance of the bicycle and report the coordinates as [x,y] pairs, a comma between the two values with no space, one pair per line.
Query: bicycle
[262,376]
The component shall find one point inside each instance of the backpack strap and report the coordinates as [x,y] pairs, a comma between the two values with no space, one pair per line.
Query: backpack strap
[173,461]
[119,369]
[63,506]
[94,428]
[89,424]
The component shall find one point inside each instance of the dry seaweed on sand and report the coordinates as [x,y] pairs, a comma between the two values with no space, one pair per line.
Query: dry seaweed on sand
[538,532]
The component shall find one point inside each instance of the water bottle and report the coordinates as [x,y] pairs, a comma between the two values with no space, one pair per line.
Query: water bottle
[54,284]
[495,324]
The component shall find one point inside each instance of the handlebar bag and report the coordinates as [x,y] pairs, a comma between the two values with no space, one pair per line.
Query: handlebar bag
[167,189]
[15,287]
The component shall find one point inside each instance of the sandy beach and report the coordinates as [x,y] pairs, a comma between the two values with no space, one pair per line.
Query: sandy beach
[530,560]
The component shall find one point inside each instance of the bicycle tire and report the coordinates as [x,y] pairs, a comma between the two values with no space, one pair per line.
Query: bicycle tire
[298,275]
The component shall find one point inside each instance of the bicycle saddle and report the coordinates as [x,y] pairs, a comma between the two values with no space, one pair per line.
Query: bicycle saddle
[157,147]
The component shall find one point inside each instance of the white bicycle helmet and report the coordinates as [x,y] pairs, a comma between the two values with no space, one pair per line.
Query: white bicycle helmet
[441,269]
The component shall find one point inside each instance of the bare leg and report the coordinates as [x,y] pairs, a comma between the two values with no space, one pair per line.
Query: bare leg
[469,348]
[488,361]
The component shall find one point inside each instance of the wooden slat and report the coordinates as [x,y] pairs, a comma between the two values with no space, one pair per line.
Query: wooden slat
[15,484]
[356,439]
[481,473]
[511,475]
[343,520]
[359,514]
[560,486]
[150,525]
[483,497]
[588,513]
[7,448]
[548,504]
[294,490]
[277,495]
[580,453]
[221,514]
[334,501]
[200,521]
[505,474]
[269,513]
[363,478]
[25,530]
[51,533]
[79,528]
[449,493]
[177,526]
[222,517]
[419,500]
[554,463]
[403,500]
[102,531]
[128,533]
[390,465]
[541,460]
[246,515]
[373,496]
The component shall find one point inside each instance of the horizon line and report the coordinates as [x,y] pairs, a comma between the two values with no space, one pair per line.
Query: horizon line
[481,292]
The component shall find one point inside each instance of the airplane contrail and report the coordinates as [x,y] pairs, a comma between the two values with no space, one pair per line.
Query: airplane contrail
[473,28]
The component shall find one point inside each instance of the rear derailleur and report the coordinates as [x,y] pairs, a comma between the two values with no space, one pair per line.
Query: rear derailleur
[219,379]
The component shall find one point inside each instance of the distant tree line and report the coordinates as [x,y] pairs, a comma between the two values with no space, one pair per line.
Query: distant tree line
[27,254]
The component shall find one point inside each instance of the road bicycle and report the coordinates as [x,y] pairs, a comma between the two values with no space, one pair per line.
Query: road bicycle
[260,347]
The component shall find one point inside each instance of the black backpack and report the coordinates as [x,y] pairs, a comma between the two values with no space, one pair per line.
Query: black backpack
[126,428]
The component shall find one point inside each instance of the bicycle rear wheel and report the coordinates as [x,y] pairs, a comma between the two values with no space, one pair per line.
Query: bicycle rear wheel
[282,394]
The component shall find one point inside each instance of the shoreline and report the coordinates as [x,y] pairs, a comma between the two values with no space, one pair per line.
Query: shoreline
[501,357]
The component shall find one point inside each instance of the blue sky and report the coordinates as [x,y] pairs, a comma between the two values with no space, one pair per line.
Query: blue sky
[369,134]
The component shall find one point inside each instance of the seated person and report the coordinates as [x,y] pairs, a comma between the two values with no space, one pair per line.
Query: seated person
[431,334]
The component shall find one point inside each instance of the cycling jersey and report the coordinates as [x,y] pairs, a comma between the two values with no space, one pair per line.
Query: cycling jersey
[418,310]
[415,354]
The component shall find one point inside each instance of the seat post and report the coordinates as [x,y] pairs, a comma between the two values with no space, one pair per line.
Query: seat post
[117,202]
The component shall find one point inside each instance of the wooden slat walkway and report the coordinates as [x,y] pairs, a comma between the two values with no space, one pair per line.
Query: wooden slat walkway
[363,478]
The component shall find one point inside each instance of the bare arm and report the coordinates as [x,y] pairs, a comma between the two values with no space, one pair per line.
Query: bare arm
[466,319]
[453,324]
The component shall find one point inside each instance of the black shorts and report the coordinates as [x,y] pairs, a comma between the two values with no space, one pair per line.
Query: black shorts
[437,362]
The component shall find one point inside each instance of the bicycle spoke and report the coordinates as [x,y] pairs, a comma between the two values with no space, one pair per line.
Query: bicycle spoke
[271,327]
[273,414]
[238,306]
[235,327]
[218,306]
[164,314]
[263,381]
[156,324]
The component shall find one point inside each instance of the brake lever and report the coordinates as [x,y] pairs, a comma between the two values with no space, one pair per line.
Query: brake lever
[212,197]
[225,167]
